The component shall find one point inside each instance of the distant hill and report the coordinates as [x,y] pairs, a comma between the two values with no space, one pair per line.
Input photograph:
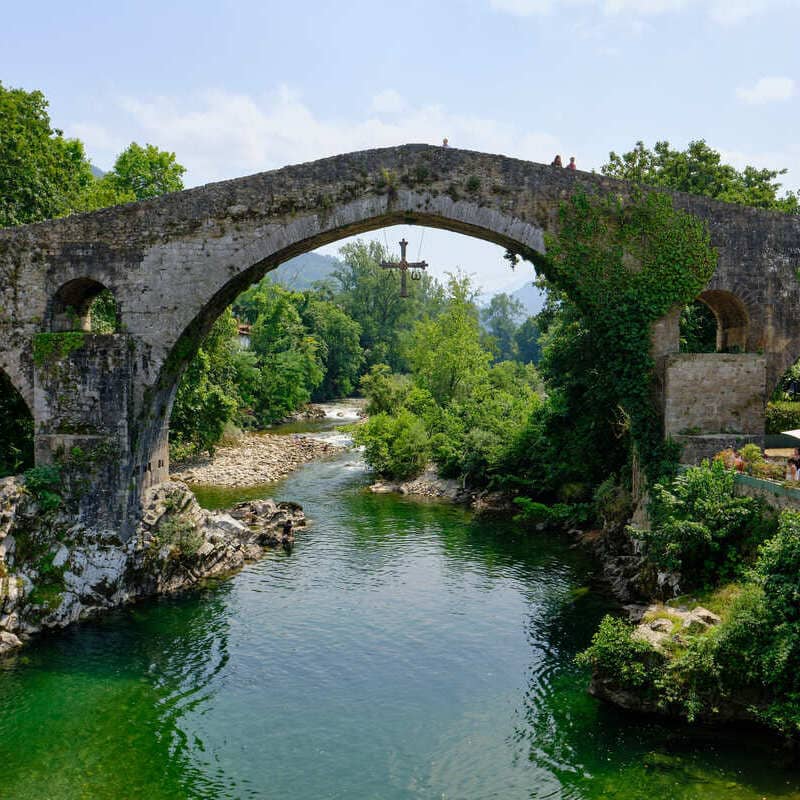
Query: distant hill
[96,171]
[530,297]
[299,273]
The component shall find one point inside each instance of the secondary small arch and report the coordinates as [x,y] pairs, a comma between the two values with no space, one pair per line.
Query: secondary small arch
[84,304]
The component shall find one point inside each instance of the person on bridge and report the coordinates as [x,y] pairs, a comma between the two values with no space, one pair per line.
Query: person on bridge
[572,164]
[557,162]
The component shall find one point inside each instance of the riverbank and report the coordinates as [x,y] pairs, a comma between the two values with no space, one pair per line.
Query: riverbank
[256,459]
[54,572]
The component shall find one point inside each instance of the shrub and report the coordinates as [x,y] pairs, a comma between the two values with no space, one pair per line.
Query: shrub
[618,656]
[44,484]
[395,447]
[612,502]
[700,527]
[782,416]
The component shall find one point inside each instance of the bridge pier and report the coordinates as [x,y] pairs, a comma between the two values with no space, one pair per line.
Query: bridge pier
[83,414]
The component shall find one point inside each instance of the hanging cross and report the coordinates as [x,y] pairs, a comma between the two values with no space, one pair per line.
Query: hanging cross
[404,267]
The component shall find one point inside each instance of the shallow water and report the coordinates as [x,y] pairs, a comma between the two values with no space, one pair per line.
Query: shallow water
[402,650]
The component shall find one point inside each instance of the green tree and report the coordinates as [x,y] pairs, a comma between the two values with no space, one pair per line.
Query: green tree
[42,174]
[526,339]
[501,318]
[446,354]
[341,353]
[207,397]
[16,431]
[699,170]
[370,295]
[144,172]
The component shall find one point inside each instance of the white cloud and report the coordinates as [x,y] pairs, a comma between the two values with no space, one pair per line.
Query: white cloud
[721,11]
[219,135]
[388,102]
[523,8]
[767,90]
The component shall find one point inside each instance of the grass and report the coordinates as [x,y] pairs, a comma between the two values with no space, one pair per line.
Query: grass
[718,600]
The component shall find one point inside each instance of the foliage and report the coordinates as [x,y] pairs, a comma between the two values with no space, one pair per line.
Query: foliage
[782,416]
[617,655]
[395,446]
[49,347]
[103,313]
[341,354]
[144,172]
[16,432]
[699,170]
[206,396]
[44,483]
[370,296]
[501,319]
[700,527]
[446,354]
[526,340]
[386,391]
[42,174]
[639,258]
[698,329]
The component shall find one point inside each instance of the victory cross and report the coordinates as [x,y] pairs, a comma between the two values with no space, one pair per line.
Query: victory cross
[404,267]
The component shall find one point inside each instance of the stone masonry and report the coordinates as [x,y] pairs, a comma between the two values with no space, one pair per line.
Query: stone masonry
[173,264]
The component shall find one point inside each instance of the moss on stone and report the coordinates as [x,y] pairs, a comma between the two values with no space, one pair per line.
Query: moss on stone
[51,347]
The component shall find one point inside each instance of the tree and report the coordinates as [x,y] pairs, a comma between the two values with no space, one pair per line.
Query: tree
[42,174]
[501,318]
[526,339]
[370,295]
[446,353]
[699,170]
[144,172]
[207,397]
[340,347]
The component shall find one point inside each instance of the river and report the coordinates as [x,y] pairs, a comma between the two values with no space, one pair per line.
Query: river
[402,650]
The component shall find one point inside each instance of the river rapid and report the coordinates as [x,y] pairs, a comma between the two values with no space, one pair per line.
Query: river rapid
[402,650]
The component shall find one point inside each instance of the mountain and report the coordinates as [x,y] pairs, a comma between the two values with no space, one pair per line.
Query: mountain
[530,297]
[299,273]
[96,171]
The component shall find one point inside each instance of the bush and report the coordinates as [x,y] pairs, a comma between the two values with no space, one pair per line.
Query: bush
[618,656]
[782,416]
[396,447]
[612,502]
[44,483]
[385,391]
[701,528]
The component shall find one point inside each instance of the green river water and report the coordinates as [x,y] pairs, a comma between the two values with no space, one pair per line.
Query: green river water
[402,650]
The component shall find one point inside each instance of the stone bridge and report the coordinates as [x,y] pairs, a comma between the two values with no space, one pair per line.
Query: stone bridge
[175,262]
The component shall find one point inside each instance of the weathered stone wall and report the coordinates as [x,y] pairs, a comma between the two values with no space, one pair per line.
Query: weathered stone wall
[83,413]
[711,393]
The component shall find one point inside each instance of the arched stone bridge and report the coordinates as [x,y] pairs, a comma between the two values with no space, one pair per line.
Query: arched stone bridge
[175,262]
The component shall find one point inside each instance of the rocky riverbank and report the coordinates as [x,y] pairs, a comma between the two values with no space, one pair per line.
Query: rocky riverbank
[254,460]
[54,572]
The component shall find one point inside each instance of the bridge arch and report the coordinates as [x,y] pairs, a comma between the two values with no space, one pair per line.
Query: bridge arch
[733,319]
[73,305]
[406,208]
[16,428]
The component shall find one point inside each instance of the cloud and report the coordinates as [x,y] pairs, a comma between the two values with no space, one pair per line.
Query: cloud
[767,90]
[218,134]
[725,12]
[388,102]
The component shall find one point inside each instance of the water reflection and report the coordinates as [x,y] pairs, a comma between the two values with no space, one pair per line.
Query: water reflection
[403,651]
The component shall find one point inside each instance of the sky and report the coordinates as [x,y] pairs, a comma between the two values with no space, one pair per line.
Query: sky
[240,87]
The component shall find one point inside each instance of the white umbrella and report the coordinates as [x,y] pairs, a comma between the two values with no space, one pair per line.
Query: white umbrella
[794,434]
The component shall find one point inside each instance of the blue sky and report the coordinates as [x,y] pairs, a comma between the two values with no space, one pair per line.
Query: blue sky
[239,87]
